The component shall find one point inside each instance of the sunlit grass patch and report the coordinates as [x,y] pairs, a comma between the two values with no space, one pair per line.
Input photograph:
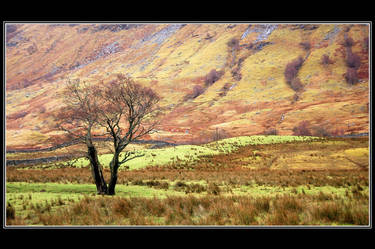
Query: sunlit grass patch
[51,190]
[357,152]
[156,157]
[270,191]
[230,144]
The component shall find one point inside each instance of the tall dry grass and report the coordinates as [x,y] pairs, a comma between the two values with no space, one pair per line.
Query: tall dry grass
[296,209]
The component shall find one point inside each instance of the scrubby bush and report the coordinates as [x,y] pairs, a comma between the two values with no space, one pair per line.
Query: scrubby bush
[352,60]
[302,129]
[270,131]
[348,41]
[295,97]
[213,76]
[296,84]
[10,28]
[236,74]
[338,132]
[305,45]
[292,68]
[42,109]
[18,115]
[365,43]
[233,43]
[351,76]
[219,134]
[320,131]
[224,89]
[10,212]
[325,60]
[197,90]
[213,188]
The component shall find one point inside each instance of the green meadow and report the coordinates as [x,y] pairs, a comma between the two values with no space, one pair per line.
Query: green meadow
[191,153]
[251,180]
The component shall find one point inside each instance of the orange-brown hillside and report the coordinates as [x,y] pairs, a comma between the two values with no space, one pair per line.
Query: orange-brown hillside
[250,97]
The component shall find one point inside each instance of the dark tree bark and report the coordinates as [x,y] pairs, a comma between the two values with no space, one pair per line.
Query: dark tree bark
[114,165]
[78,118]
[127,106]
[96,170]
[121,107]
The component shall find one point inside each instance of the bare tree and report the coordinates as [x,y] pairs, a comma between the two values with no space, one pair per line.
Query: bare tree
[127,115]
[123,107]
[78,118]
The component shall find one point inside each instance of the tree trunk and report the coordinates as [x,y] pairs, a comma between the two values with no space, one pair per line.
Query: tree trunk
[96,170]
[114,165]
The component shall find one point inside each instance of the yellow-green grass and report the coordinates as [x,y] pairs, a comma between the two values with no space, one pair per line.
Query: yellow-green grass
[48,191]
[26,196]
[272,191]
[30,199]
[191,153]
[156,157]
[231,144]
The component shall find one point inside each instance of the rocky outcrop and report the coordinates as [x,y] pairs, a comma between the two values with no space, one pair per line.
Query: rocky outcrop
[114,27]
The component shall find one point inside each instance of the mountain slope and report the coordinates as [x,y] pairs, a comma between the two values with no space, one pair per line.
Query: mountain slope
[250,97]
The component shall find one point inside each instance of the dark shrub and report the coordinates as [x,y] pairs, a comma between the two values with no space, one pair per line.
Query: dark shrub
[250,46]
[219,134]
[338,132]
[270,131]
[213,188]
[236,74]
[10,212]
[351,76]
[18,115]
[302,129]
[213,76]
[224,89]
[10,28]
[292,68]
[179,185]
[352,60]
[296,84]
[365,43]
[197,90]
[295,97]
[31,49]
[320,131]
[348,41]
[233,43]
[325,60]
[42,109]
[347,28]
[305,45]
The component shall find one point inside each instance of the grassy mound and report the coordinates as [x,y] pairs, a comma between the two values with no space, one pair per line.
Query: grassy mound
[191,153]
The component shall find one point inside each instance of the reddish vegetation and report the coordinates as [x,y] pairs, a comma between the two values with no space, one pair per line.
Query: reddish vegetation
[234,43]
[348,41]
[325,60]
[305,45]
[291,69]
[197,90]
[213,76]
[351,76]
[302,129]
[20,85]
[352,60]
[296,85]
[18,115]
[31,71]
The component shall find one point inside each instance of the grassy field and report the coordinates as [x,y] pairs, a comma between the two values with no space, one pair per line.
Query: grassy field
[259,180]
